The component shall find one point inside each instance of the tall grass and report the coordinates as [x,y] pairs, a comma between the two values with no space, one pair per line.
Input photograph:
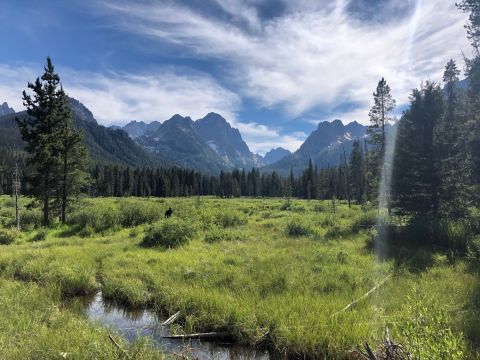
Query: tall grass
[264,278]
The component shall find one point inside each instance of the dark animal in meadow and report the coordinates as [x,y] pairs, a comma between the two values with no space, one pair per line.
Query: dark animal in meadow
[168,213]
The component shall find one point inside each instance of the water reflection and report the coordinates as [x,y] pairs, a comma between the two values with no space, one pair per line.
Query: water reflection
[134,323]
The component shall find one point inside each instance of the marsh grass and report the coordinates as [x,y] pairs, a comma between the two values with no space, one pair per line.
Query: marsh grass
[248,274]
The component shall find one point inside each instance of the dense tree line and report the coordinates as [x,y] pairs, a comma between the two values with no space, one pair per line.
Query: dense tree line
[313,183]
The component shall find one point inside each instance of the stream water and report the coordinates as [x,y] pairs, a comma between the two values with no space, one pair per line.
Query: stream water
[132,324]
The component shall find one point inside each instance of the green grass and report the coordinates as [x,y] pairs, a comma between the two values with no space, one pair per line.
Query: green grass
[253,266]
[35,326]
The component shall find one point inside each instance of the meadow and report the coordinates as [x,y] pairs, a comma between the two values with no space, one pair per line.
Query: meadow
[273,273]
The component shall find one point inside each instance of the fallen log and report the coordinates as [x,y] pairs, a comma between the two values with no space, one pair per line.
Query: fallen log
[353,303]
[200,336]
[171,319]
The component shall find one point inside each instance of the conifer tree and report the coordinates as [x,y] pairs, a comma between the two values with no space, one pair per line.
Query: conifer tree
[39,131]
[380,115]
[357,172]
[416,179]
[73,156]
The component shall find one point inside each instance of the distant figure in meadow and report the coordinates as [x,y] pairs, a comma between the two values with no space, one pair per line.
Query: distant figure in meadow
[168,213]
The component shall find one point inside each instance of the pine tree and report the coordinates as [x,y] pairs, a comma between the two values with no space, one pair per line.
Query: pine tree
[73,156]
[416,179]
[451,149]
[38,130]
[379,115]
[357,172]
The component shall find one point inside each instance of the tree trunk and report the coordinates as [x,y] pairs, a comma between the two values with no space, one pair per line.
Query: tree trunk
[64,190]
[46,199]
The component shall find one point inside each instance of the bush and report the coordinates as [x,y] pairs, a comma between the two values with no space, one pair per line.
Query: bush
[7,236]
[40,235]
[100,217]
[299,227]
[217,235]
[334,232]
[427,334]
[135,213]
[230,218]
[473,253]
[319,208]
[31,219]
[169,234]
[364,222]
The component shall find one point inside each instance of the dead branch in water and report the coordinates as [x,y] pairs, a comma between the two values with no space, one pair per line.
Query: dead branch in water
[200,336]
[171,319]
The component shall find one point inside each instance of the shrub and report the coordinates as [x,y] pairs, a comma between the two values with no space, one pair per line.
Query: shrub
[133,213]
[364,222]
[169,234]
[327,221]
[7,236]
[102,216]
[40,235]
[230,218]
[334,232]
[287,205]
[31,218]
[217,235]
[473,253]
[299,227]
[319,207]
[427,334]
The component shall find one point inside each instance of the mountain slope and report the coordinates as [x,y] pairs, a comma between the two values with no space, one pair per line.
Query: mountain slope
[275,155]
[226,141]
[324,146]
[104,145]
[178,141]
[139,128]
[5,109]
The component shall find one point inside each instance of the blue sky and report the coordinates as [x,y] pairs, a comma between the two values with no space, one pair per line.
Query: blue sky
[273,68]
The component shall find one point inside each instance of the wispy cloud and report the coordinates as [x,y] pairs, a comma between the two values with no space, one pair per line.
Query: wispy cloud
[313,54]
[118,98]
[261,138]
[291,56]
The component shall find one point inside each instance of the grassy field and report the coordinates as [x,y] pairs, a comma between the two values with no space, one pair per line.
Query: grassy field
[268,271]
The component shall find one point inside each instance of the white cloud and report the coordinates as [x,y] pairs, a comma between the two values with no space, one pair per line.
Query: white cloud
[116,98]
[311,56]
[261,138]
[119,98]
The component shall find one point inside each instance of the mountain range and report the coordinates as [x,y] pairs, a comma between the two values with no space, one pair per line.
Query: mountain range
[324,146]
[105,145]
[209,144]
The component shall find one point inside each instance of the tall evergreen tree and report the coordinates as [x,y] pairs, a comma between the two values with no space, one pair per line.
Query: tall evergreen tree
[357,172]
[72,153]
[39,130]
[416,179]
[380,115]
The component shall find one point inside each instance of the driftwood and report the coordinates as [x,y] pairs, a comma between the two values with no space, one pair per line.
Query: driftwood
[118,346]
[200,336]
[171,319]
[353,303]
[390,351]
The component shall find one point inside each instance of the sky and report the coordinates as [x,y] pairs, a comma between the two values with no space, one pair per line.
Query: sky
[273,68]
